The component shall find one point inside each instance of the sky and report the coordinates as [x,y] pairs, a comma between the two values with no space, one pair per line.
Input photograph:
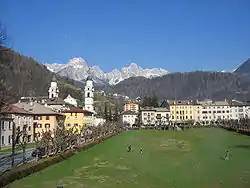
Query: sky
[177,35]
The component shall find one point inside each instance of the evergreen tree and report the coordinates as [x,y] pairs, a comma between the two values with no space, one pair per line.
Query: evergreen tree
[116,114]
[110,114]
[154,101]
[106,112]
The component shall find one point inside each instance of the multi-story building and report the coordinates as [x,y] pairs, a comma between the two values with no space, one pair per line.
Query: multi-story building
[131,107]
[238,110]
[183,110]
[15,118]
[77,117]
[129,118]
[44,118]
[214,111]
[154,116]
[148,116]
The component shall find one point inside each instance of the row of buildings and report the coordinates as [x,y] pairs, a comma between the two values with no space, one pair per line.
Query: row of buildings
[36,115]
[180,111]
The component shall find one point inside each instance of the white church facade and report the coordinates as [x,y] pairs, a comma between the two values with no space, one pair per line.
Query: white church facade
[89,95]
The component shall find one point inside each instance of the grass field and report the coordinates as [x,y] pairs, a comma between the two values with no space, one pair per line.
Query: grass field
[189,159]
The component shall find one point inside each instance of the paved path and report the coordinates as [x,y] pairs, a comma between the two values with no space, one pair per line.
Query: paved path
[5,160]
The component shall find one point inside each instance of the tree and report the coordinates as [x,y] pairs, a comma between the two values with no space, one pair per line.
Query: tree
[154,101]
[23,140]
[106,111]
[16,134]
[110,114]
[116,114]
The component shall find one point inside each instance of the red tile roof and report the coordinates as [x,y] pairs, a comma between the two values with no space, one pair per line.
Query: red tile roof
[76,110]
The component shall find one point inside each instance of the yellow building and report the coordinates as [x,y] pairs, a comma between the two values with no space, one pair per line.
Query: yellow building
[77,118]
[45,119]
[184,110]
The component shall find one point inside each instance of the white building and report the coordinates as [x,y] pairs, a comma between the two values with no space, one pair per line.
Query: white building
[53,89]
[238,110]
[89,95]
[70,100]
[214,111]
[162,116]
[129,118]
[148,116]
[23,121]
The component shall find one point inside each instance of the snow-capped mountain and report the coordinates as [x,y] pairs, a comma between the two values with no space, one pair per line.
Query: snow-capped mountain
[78,69]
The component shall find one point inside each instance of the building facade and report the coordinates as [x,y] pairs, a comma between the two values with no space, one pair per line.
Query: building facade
[74,118]
[131,107]
[89,95]
[18,119]
[53,89]
[70,100]
[214,111]
[238,110]
[129,118]
[183,111]
[44,118]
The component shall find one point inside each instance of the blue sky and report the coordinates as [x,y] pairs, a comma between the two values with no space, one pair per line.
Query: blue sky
[178,35]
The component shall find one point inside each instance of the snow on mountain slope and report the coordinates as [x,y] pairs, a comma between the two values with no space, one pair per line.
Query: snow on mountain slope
[78,69]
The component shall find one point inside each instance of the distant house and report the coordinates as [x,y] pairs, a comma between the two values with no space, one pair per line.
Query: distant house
[154,116]
[13,116]
[129,118]
[70,100]
[78,118]
[131,107]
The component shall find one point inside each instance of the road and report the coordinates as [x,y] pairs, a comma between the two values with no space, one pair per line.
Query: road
[5,160]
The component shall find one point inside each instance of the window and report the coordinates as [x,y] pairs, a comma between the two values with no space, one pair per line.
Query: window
[37,118]
[177,112]
[39,125]
[88,94]
[177,117]
[75,114]
[124,116]
[75,124]
[9,125]
[47,125]
[9,139]
[172,117]
[3,128]
[3,140]
[223,111]
[68,124]
[71,114]
[186,117]
[227,111]
[191,117]
[144,114]
[47,117]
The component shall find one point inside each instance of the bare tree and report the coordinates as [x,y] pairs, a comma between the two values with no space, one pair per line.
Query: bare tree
[16,134]
[23,141]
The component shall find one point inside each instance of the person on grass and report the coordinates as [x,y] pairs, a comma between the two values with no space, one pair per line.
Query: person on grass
[129,148]
[141,150]
[227,155]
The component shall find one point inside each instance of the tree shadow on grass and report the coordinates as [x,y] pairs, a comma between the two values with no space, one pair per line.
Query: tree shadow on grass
[242,146]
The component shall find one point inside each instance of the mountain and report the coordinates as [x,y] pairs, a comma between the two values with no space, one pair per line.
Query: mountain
[243,68]
[24,76]
[78,69]
[191,85]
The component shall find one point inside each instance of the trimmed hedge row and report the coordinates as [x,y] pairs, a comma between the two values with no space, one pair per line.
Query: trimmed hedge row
[29,168]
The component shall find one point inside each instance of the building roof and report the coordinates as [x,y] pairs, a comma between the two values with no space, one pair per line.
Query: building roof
[56,101]
[182,102]
[129,113]
[236,103]
[148,109]
[162,109]
[36,109]
[75,110]
[213,103]
[164,104]
[11,109]
[131,103]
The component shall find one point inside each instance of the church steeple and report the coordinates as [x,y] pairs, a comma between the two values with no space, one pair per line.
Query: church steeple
[53,89]
[89,93]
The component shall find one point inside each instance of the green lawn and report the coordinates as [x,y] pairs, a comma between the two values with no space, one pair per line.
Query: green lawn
[189,159]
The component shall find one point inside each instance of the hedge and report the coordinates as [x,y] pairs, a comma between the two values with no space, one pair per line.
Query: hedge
[29,168]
